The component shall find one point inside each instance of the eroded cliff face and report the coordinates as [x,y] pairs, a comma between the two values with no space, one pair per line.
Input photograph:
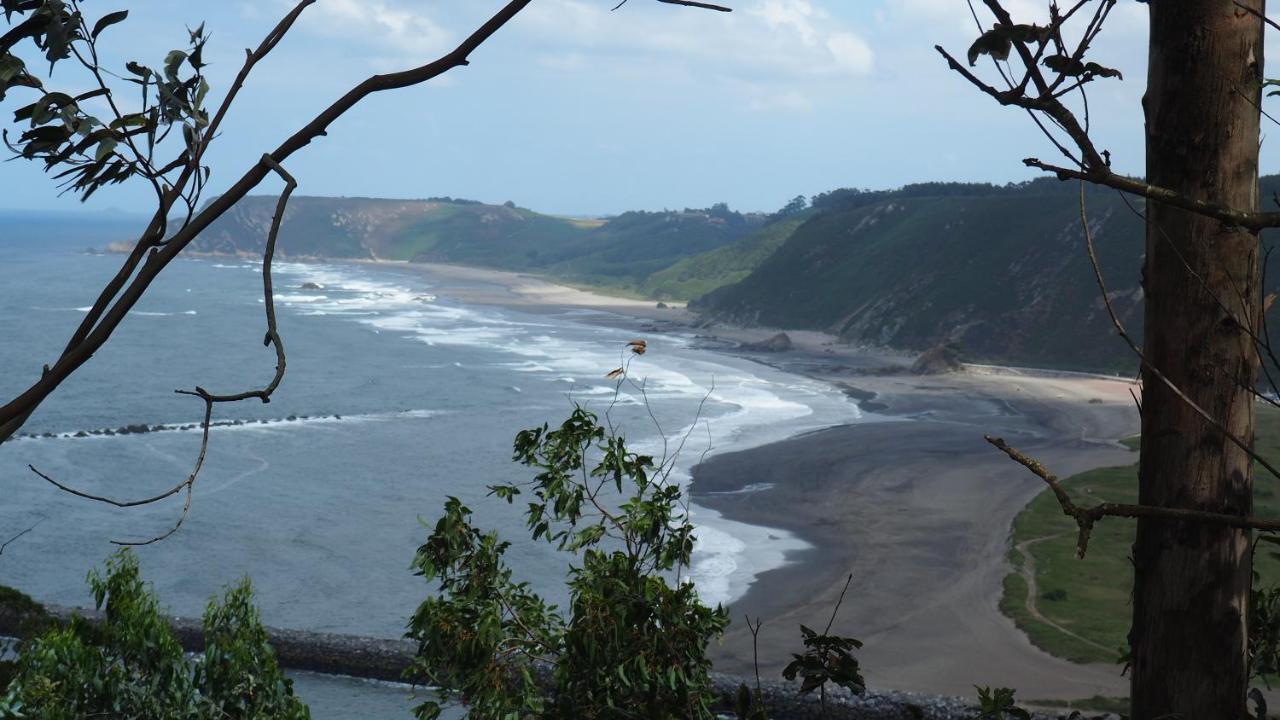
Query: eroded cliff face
[1003,276]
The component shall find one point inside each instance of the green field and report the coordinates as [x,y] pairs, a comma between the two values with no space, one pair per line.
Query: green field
[1084,604]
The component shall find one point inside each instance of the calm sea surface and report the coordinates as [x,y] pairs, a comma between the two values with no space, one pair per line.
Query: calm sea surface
[396,397]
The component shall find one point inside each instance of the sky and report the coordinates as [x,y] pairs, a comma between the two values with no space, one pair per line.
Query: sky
[577,109]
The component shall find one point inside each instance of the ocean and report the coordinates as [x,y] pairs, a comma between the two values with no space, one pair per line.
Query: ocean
[396,396]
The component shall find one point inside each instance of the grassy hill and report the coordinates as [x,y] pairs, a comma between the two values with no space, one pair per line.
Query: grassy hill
[621,252]
[696,276]
[1001,271]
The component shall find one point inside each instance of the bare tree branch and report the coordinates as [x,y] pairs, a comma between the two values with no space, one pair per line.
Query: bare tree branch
[1249,220]
[10,541]
[686,3]
[188,484]
[1086,517]
[272,338]
[1093,165]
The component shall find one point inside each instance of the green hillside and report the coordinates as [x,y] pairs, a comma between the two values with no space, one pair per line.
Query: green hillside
[620,253]
[698,275]
[1002,271]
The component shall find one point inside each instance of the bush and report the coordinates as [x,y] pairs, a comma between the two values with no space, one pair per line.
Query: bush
[130,665]
[635,635]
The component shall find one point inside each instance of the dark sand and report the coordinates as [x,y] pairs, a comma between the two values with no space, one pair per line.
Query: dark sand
[919,512]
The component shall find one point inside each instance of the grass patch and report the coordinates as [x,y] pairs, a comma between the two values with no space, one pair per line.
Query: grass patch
[1091,597]
[1097,704]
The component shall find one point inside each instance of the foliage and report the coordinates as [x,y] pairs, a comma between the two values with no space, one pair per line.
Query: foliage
[1264,620]
[699,274]
[998,704]
[31,618]
[827,658]
[130,665]
[239,676]
[87,151]
[635,636]
[795,206]
[749,704]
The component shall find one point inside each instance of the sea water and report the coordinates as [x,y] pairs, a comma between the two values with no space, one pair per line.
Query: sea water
[396,397]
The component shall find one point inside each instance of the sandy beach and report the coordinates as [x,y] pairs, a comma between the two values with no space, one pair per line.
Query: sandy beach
[912,501]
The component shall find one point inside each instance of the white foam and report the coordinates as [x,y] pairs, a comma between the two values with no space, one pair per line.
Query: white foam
[745,405]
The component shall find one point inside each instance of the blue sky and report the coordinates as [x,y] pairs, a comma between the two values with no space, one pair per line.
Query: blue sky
[578,110]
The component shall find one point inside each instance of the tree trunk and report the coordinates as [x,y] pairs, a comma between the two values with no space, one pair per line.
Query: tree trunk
[1191,581]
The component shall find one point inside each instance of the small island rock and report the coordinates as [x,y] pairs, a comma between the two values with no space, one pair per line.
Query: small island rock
[780,342]
[938,360]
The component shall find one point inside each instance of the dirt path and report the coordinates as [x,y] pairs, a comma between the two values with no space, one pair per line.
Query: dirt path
[1028,572]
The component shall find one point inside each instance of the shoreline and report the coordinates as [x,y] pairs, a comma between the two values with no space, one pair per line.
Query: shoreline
[927,492]
[910,499]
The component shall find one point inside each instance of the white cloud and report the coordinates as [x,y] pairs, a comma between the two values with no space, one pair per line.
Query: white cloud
[775,54]
[393,34]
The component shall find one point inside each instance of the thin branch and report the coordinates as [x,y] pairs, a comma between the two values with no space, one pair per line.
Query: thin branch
[1086,517]
[209,399]
[272,336]
[1249,220]
[1257,14]
[10,541]
[755,648]
[836,609]
[687,3]
[204,445]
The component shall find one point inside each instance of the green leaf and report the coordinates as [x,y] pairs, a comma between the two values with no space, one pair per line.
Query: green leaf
[172,62]
[107,21]
[995,43]
[105,148]
[998,41]
[10,66]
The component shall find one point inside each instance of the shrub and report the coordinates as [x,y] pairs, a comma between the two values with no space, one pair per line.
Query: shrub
[635,635]
[130,665]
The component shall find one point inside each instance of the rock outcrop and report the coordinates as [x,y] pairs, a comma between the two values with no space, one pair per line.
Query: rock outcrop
[780,342]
